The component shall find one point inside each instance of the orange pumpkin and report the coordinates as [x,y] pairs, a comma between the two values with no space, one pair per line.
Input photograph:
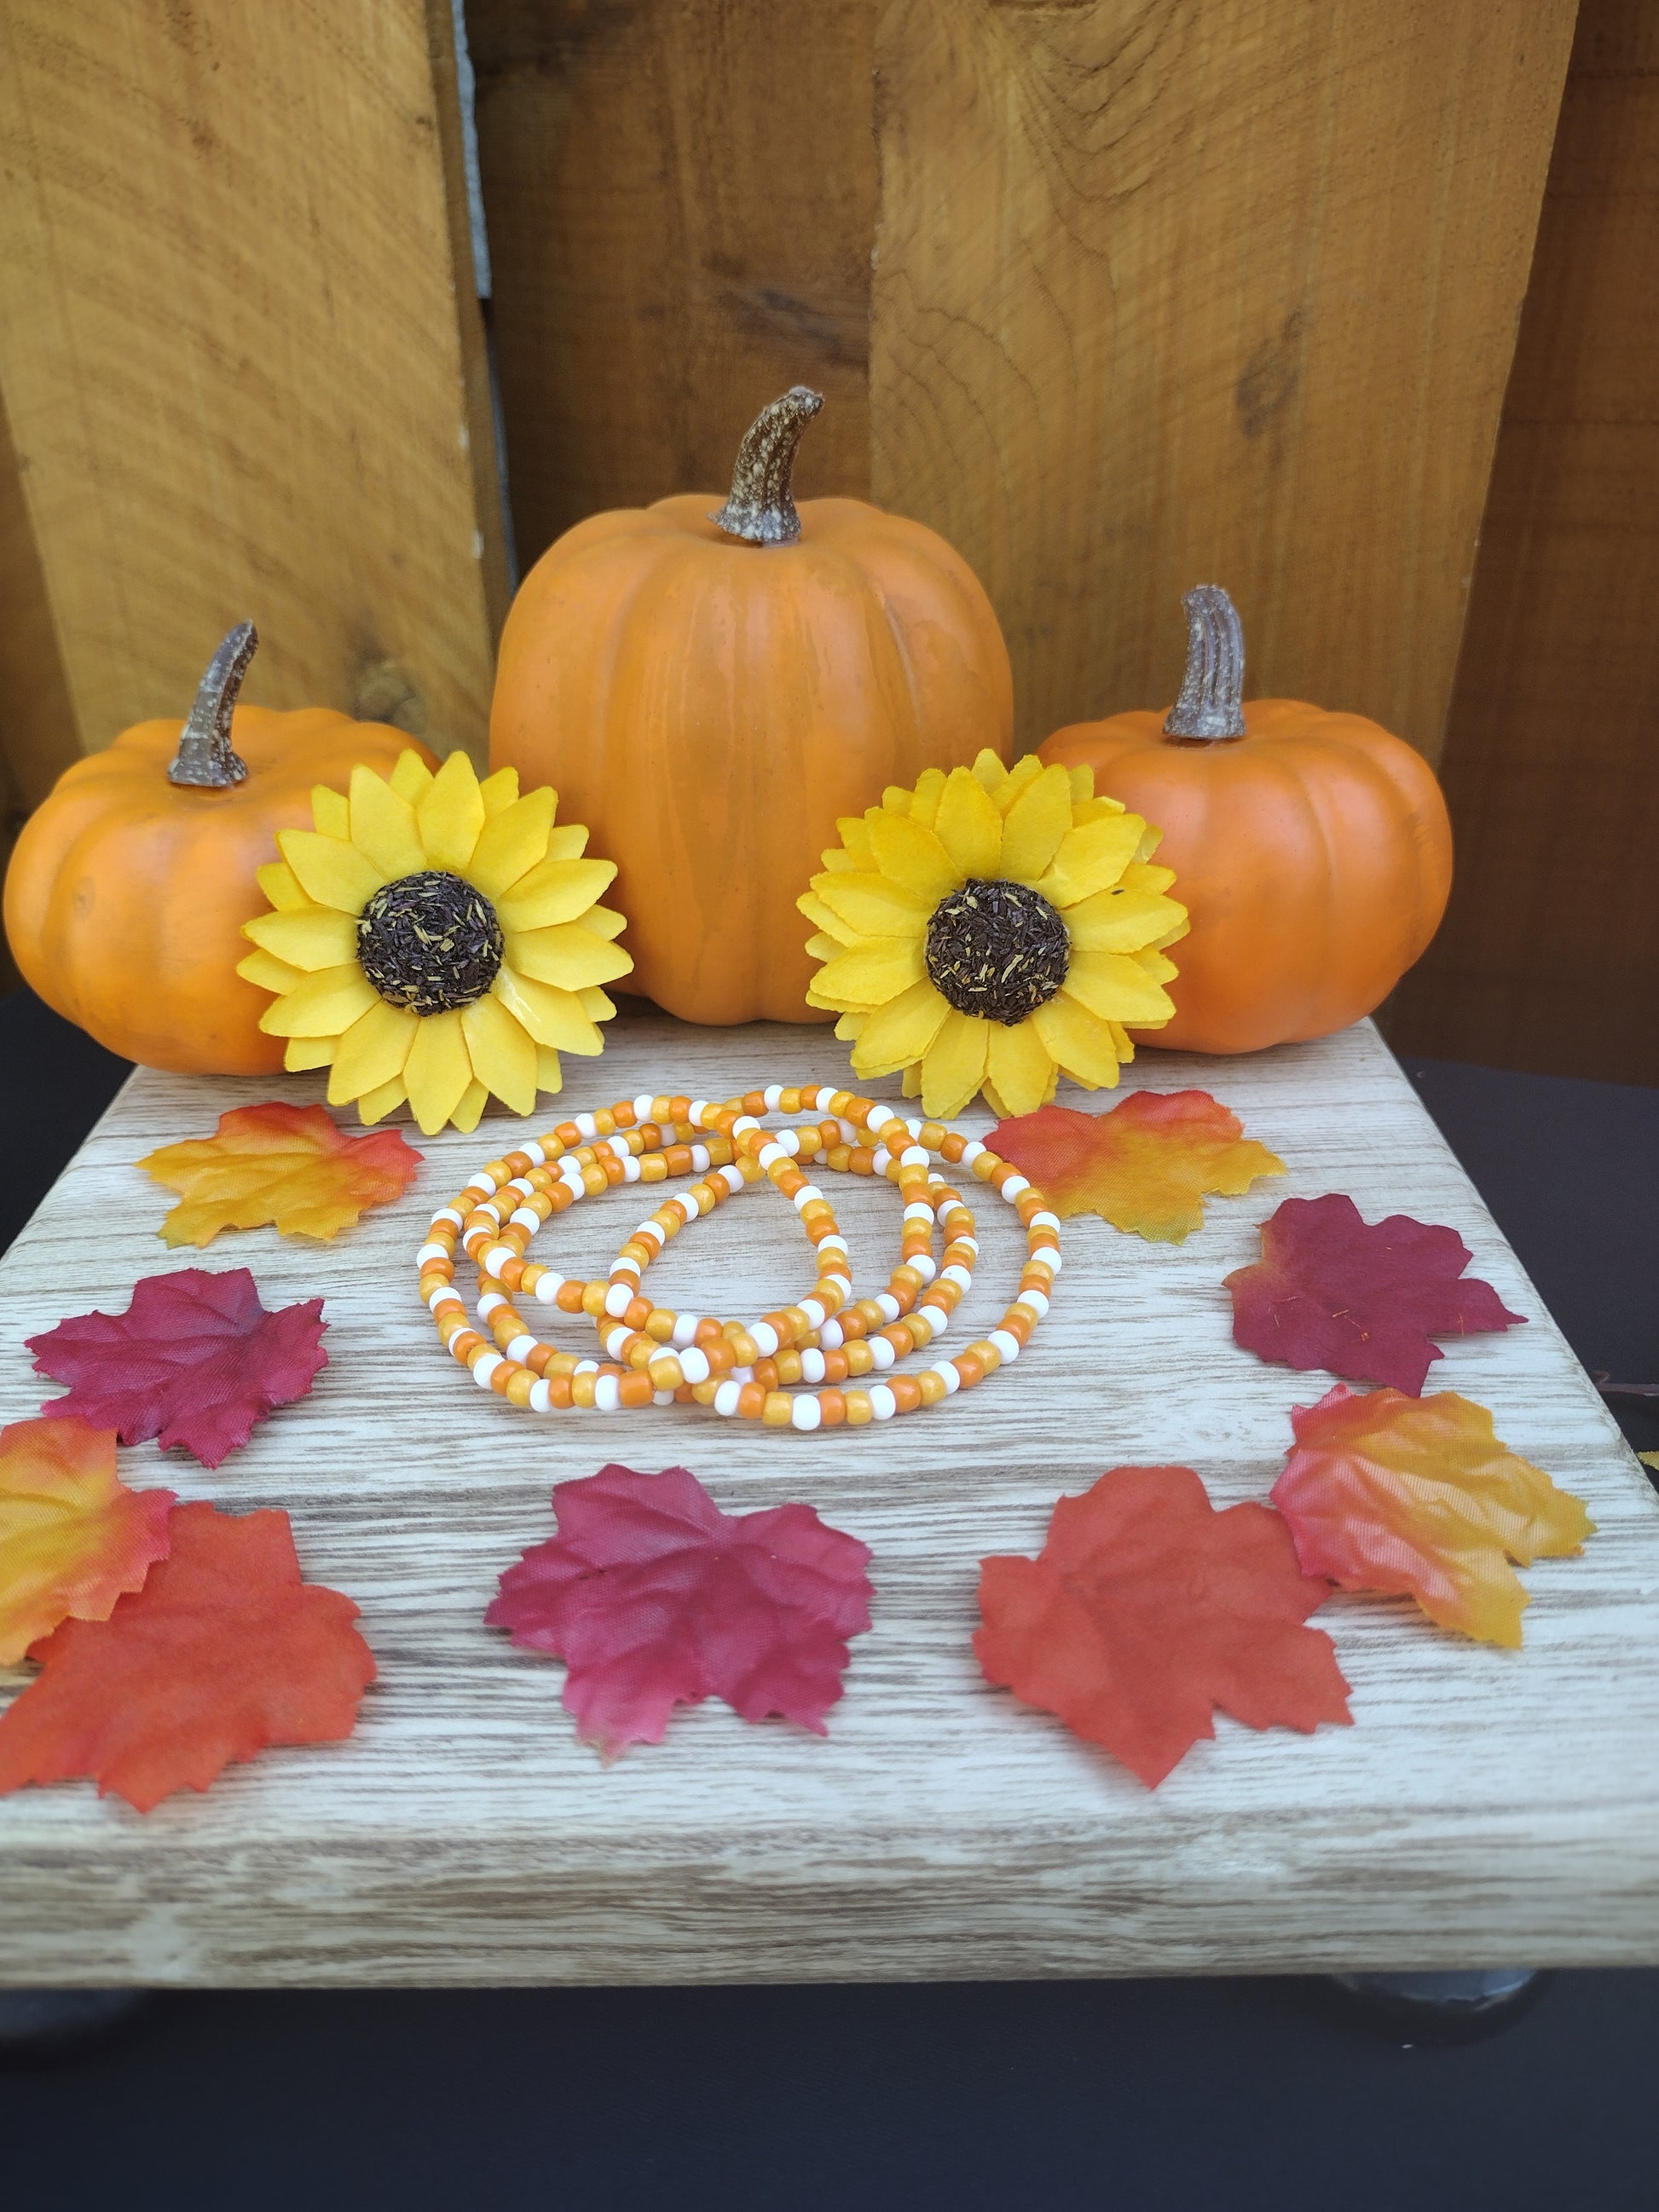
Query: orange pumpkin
[130,884]
[709,693]
[1311,849]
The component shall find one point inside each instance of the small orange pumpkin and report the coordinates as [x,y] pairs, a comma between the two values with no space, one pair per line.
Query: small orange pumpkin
[1311,849]
[710,693]
[130,884]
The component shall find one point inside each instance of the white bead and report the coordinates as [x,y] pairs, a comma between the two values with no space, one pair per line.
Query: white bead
[617,1299]
[447,1296]
[497,1257]
[585,1367]
[732,1178]
[881,1159]
[1048,1257]
[485,1367]
[850,1132]
[924,1264]
[483,1182]
[616,1343]
[742,1125]
[832,1242]
[972,1150]
[624,1266]
[766,1338]
[586,1126]
[448,1214]
[541,1398]
[832,1336]
[773,1095]
[878,1116]
[606,1394]
[839,1282]
[699,1156]
[812,1369]
[918,1209]
[488,1303]
[742,1375]
[968,1244]
[946,1371]
[662,1397]
[881,1353]
[913,1156]
[630,1169]
[883,1404]
[789,1142]
[694,1364]
[526,1219]
[519,1184]
[1007,1345]
[806,1412]
[805,1196]
[685,1328]
[815,1312]
[699,1108]
[1014,1186]
[652,1228]
[770,1155]
[888,1306]
[1034,1302]
[823,1099]
[726,1396]
[939,1315]
[1044,1220]
[432,1252]
[547,1289]
[534,1151]
[619,1146]
[642,1107]
[955,1274]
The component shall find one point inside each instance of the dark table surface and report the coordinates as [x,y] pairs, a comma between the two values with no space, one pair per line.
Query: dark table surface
[1147,2096]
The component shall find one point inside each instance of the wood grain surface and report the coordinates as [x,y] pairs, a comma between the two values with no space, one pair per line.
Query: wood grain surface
[1486,1806]
[1550,765]
[241,357]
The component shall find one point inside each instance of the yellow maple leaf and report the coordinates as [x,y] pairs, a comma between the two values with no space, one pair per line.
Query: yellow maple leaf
[73,1538]
[287,1166]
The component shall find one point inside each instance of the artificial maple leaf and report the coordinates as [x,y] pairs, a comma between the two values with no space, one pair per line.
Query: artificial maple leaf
[1146,1166]
[195,1360]
[656,1598]
[288,1166]
[223,1651]
[1359,1299]
[1147,1608]
[1417,1497]
[72,1537]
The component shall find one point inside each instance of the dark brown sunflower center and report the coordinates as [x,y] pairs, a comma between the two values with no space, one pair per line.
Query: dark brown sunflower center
[429,942]
[998,950]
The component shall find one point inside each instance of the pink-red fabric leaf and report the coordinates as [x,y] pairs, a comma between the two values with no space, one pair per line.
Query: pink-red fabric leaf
[223,1652]
[1361,1299]
[653,1598]
[1146,1610]
[195,1360]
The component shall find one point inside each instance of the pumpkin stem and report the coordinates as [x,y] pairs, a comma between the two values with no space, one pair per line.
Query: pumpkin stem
[1212,702]
[761,508]
[204,754]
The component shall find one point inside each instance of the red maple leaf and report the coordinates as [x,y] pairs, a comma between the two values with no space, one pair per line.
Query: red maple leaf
[223,1651]
[656,1598]
[1360,1299]
[1146,1610]
[195,1360]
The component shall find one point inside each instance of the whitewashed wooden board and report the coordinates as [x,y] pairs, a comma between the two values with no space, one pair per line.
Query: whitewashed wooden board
[1486,1806]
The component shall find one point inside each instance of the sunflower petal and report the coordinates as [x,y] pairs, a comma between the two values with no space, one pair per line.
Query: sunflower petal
[569,956]
[855,840]
[511,844]
[557,891]
[969,826]
[1115,987]
[925,798]
[840,933]
[907,854]
[270,973]
[372,1051]
[1119,920]
[450,813]
[851,1026]
[837,862]
[383,826]
[604,920]
[1091,860]
[1019,1064]
[568,840]
[822,946]
[900,1031]
[323,1005]
[311,937]
[598,1005]
[467,1116]
[1035,824]
[988,772]
[498,792]
[549,1076]
[551,1015]
[411,776]
[280,886]
[329,812]
[301,1054]
[374,1105]
[1024,772]
[1077,1042]
[1083,785]
[503,1053]
[954,1067]
[331,870]
[438,1072]
[869,906]
[871,974]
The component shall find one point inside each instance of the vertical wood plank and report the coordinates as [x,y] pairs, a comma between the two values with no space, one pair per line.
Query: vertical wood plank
[681,200]
[1549,955]
[239,354]
[1166,291]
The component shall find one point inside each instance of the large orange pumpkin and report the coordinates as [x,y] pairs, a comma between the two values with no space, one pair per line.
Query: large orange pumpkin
[129,886]
[709,693]
[1311,849]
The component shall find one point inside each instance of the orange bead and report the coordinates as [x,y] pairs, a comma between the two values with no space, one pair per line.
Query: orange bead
[832,1408]
[636,1390]
[559,1393]
[906,1392]
[971,1368]
[751,1399]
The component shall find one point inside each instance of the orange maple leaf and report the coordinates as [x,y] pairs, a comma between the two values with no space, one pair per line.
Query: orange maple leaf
[288,1166]
[223,1651]
[1417,1497]
[1147,1608]
[73,1538]
[1145,1166]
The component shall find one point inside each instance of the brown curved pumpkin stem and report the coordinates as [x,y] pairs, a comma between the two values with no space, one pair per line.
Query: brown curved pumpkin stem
[761,508]
[204,756]
[1211,708]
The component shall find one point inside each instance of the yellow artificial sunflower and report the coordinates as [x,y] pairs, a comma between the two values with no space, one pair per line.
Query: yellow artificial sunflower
[436,939]
[990,930]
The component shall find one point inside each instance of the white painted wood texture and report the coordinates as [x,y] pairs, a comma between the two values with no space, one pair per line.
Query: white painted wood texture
[1486,1806]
